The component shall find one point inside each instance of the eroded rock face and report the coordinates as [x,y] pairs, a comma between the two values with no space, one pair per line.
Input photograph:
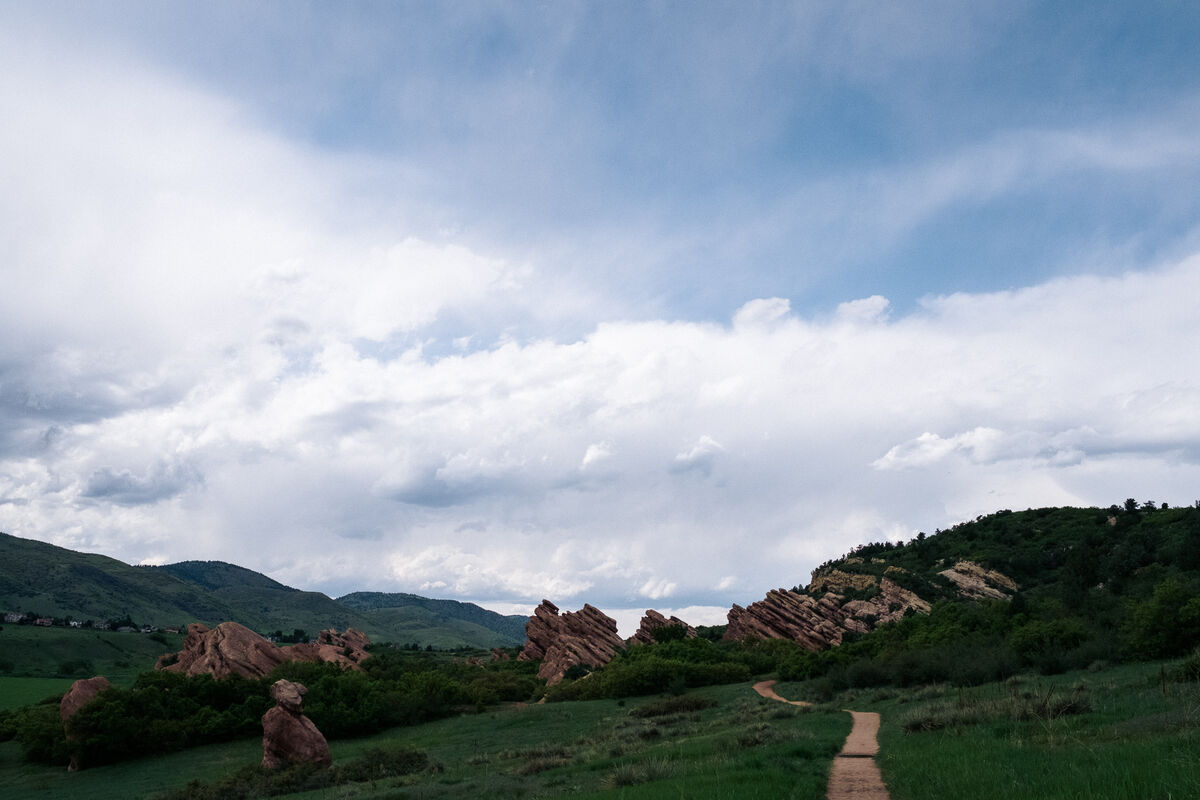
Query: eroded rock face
[837,601]
[588,637]
[976,582]
[289,737]
[79,695]
[818,622]
[784,614]
[346,649]
[652,621]
[228,649]
[234,649]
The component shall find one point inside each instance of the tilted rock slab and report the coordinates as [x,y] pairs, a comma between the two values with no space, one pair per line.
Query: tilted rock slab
[652,621]
[289,737]
[817,623]
[588,637]
[784,614]
[979,583]
[82,692]
[233,649]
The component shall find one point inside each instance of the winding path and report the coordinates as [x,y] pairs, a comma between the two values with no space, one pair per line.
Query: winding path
[855,775]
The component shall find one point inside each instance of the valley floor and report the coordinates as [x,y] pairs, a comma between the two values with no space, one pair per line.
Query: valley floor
[1123,733]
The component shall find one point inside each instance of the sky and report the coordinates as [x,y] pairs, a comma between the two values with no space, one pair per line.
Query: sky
[644,305]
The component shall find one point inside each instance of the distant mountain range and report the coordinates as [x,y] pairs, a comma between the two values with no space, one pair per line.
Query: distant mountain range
[56,582]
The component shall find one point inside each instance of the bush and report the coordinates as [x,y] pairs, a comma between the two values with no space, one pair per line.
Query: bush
[673,705]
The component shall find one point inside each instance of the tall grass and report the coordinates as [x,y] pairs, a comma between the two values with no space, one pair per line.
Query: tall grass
[1119,734]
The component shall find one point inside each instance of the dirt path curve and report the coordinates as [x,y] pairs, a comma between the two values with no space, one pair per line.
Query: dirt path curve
[855,775]
[767,690]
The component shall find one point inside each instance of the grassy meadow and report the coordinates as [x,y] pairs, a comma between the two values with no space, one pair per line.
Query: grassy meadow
[1126,732]
[1122,733]
[740,747]
[31,651]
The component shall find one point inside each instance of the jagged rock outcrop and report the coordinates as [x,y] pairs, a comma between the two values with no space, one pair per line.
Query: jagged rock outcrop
[977,582]
[588,637]
[500,655]
[890,604]
[234,649]
[289,737]
[837,601]
[347,649]
[79,695]
[817,622]
[652,621]
[785,614]
[228,649]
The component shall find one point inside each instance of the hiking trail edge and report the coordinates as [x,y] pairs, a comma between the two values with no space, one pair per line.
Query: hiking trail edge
[855,775]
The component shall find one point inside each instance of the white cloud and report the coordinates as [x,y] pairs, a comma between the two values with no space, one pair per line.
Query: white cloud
[207,328]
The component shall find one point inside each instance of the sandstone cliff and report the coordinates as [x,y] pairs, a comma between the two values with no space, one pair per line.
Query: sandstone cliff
[588,637]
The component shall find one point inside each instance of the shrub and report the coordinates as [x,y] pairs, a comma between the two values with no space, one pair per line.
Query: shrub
[673,705]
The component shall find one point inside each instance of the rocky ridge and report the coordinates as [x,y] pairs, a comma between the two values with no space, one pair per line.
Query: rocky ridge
[586,637]
[652,621]
[976,582]
[839,601]
[234,649]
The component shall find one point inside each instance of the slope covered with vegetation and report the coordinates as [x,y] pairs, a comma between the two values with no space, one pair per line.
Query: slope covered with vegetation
[1095,586]
[61,584]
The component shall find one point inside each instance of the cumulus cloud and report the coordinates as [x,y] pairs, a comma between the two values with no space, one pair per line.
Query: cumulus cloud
[699,457]
[207,327]
[126,488]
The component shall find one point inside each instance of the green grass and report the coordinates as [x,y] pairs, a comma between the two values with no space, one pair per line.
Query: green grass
[17,692]
[30,651]
[1133,738]
[741,747]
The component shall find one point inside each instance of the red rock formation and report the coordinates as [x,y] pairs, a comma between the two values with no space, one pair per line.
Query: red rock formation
[228,649]
[346,649]
[818,622]
[79,695]
[289,737]
[500,655]
[652,621]
[233,649]
[588,637]
[785,614]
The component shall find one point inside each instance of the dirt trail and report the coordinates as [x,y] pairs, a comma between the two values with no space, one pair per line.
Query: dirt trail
[767,690]
[855,775]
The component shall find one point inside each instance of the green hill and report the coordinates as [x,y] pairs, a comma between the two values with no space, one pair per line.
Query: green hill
[511,627]
[1095,586]
[56,582]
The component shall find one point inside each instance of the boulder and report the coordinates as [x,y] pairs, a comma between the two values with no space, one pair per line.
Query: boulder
[588,637]
[289,737]
[233,649]
[652,621]
[79,695]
